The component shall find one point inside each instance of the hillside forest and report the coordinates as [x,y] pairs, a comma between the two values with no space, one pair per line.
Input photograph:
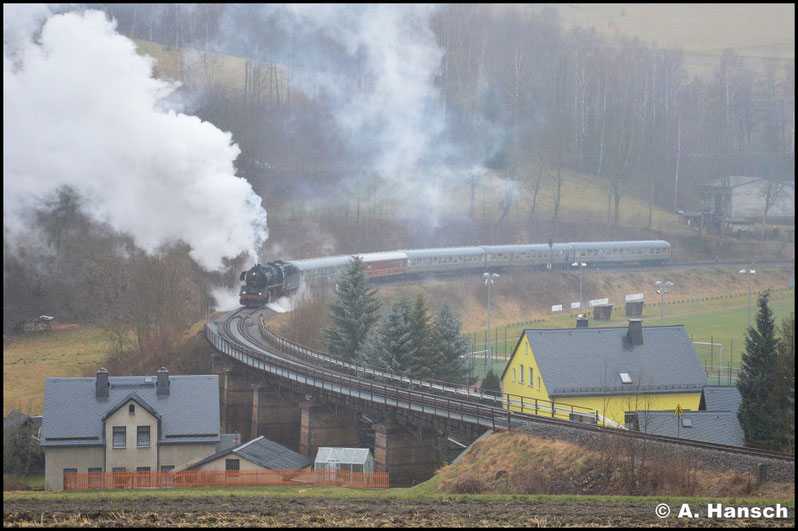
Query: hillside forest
[368,128]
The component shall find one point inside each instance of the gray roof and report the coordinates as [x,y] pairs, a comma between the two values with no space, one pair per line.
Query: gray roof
[265,453]
[442,251]
[624,244]
[587,361]
[720,427]
[722,398]
[15,418]
[73,415]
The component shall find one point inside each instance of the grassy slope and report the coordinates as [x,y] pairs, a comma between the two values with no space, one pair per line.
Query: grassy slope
[523,464]
[28,360]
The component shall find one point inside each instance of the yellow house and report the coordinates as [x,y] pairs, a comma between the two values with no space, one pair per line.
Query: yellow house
[603,374]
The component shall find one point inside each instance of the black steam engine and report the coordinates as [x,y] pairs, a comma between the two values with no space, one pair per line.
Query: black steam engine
[264,283]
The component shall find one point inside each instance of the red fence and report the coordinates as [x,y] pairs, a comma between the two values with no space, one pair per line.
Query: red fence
[222,478]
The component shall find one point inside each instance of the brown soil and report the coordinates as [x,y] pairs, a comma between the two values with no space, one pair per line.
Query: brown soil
[361,512]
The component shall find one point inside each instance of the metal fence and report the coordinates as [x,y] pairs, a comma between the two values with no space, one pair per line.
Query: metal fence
[226,478]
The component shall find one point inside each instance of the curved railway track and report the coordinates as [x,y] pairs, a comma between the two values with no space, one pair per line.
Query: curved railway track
[253,350]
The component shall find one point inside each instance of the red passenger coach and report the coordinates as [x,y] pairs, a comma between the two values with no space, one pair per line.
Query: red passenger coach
[385,264]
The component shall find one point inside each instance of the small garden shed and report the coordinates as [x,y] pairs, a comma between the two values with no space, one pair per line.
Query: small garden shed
[349,459]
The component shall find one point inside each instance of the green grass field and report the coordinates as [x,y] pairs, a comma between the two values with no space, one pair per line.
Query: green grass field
[722,325]
[427,489]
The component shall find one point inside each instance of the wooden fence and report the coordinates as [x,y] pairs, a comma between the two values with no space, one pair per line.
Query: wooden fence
[230,478]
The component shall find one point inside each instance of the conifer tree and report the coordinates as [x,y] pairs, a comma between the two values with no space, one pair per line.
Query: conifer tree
[389,344]
[448,346]
[784,386]
[491,382]
[353,312]
[757,379]
[423,364]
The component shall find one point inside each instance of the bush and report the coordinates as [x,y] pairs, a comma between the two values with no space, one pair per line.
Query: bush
[14,483]
[21,452]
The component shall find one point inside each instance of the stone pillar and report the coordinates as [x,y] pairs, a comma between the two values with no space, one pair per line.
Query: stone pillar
[275,417]
[326,426]
[236,402]
[408,455]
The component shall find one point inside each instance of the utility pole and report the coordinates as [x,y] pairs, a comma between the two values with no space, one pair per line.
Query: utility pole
[489,277]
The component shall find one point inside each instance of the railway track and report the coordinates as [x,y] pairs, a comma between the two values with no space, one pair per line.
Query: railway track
[245,346]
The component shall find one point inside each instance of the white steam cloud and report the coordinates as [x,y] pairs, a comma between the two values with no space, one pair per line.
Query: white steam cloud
[395,121]
[81,109]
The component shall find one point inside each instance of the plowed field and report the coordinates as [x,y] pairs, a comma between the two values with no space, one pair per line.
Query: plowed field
[363,512]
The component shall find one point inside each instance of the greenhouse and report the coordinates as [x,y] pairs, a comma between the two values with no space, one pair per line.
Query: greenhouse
[349,459]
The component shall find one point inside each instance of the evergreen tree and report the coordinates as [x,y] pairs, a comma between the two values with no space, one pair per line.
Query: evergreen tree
[757,379]
[448,346]
[491,382]
[422,365]
[784,387]
[353,312]
[389,345]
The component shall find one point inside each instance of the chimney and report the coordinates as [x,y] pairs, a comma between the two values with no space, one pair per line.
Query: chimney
[101,384]
[635,332]
[582,322]
[162,383]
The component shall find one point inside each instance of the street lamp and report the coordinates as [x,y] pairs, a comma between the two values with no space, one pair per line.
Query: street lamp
[748,271]
[662,290]
[581,266]
[489,277]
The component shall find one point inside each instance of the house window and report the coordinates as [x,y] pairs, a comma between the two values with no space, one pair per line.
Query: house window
[231,466]
[119,472]
[687,422]
[167,468]
[522,374]
[73,481]
[538,382]
[513,374]
[131,409]
[142,436]
[625,378]
[630,420]
[94,477]
[142,475]
[120,433]
[531,377]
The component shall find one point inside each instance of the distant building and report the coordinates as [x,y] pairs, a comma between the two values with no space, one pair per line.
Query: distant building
[615,371]
[744,197]
[17,418]
[41,324]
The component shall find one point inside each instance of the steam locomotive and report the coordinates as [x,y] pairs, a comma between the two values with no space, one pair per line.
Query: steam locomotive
[276,279]
[264,283]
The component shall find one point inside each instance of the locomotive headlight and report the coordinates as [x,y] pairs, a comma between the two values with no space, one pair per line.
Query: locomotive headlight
[259,293]
[244,292]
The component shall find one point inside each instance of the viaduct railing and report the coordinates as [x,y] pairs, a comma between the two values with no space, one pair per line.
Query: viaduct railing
[378,393]
[310,376]
[515,402]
